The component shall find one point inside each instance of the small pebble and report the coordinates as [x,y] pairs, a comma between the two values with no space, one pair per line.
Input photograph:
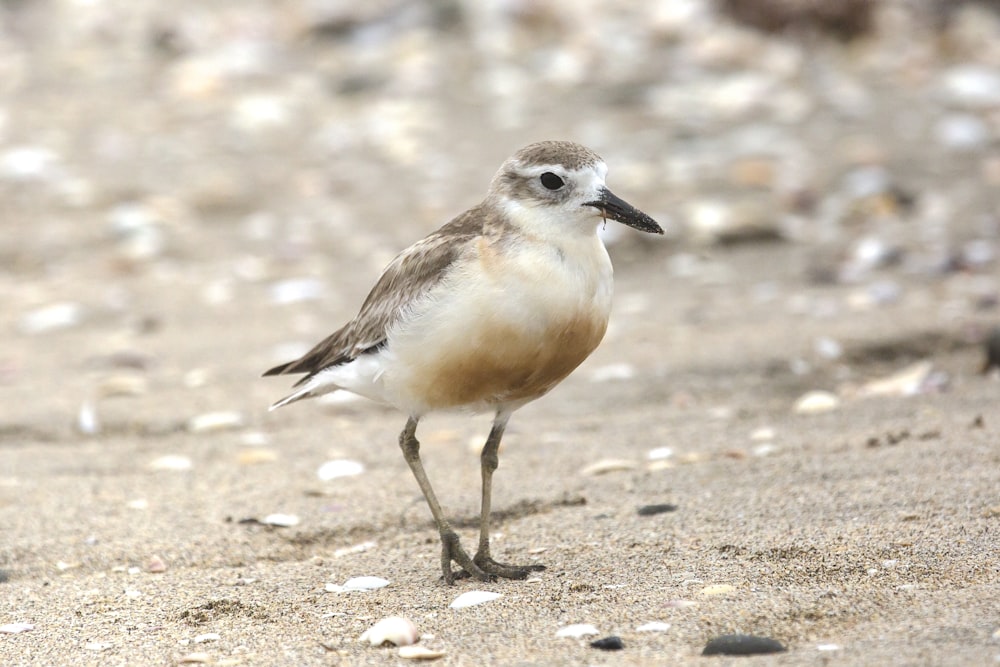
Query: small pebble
[156,565]
[992,348]
[577,631]
[418,652]
[650,510]
[339,468]
[472,598]
[742,645]
[394,630]
[608,643]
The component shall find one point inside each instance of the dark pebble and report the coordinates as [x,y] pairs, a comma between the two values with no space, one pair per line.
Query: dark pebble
[4,577]
[650,510]
[742,645]
[992,351]
[608,644]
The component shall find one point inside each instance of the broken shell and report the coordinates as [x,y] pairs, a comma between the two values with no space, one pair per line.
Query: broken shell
[607,465]
[395,630]
[174,462]
[653,626]
[339,468]
[417,652]
[578,630]
[16,628]
[816,402]
[472,598]
[358,584]
[215,421]
[906,382]
[281,520]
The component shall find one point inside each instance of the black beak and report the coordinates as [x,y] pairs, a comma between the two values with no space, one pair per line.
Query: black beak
[621,211]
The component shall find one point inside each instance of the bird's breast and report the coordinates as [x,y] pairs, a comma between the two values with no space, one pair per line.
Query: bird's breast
[506,327]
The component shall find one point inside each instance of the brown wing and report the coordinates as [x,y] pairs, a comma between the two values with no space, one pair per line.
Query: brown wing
[407,277]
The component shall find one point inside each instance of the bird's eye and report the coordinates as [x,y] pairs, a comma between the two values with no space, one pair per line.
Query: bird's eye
[551,181]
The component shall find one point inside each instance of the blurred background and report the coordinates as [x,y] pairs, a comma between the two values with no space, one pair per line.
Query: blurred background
[191,183]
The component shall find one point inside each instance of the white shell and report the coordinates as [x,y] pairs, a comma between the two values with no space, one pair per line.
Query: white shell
[815,402]
[215,421]
[339,468]
[174,462]
[358,584]
[607,465]
[207,637]
[281,520]
[472,598]
[578,630]
[417,652]
[654,626]
[394,630]
[16,628]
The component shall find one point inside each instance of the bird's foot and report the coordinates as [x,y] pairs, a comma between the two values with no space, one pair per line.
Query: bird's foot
[452,551]
[485,562]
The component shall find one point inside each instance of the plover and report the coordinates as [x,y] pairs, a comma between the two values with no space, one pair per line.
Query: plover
[488,313]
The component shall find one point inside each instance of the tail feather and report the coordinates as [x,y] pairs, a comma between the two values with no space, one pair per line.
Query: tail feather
[309,387]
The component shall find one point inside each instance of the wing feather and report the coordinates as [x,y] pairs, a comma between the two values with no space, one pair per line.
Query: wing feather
[410,275]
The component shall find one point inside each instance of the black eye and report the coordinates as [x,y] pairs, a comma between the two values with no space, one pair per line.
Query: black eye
[551,181]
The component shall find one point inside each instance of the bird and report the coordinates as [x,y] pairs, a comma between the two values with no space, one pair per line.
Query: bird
[486,314]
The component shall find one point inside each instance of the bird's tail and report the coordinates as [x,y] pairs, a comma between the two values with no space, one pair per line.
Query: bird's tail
[309,387]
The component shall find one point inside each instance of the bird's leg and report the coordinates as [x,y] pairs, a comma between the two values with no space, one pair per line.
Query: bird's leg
[451,548]
[489,461]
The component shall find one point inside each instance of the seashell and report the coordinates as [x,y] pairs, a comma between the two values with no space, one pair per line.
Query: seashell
[353,549]
[339,468]
[394,630]
[53,317]
[577,631]
[16,628]
[215,421]
[281,520]
[816,402]
[607,465]
[174,462]
[358,584]
[717,589]
[207,637]
[906,382]
[653,626]
[155,564]
[417,652]
[472,598]
[659,453]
